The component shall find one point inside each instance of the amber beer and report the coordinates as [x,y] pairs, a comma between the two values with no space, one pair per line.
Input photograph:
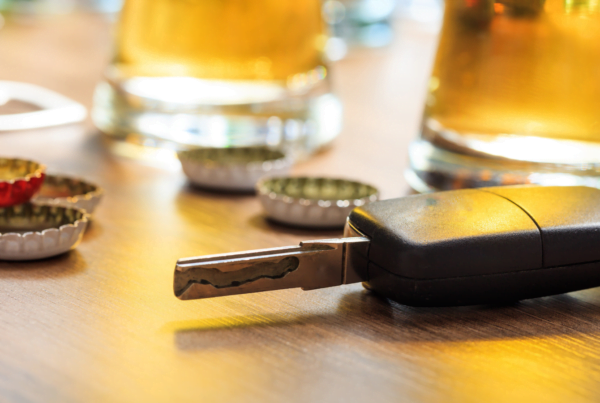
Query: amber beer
[220,39]
[511,71]
[219,73]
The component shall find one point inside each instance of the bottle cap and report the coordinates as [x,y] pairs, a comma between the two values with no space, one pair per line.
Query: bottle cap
[233,169]
[19,180]
[31,231]
[58,190]
[313,202]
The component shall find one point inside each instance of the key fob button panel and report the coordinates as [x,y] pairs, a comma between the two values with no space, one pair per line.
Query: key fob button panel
[449,234]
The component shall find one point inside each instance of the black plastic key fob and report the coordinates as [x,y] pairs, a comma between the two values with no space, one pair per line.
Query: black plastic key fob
[482,245]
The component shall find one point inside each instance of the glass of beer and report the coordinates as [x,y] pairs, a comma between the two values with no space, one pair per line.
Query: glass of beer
[219,73]
[514,96]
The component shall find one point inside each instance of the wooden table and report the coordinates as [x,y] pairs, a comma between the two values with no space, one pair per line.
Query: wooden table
[101,324]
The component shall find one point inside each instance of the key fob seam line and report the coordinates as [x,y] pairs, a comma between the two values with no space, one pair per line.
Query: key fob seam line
[482,275]
[528,215]
[477,290]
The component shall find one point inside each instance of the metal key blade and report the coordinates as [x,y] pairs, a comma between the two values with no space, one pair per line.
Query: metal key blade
[313,264]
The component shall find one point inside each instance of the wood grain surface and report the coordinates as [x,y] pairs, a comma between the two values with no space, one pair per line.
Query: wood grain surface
[101,324]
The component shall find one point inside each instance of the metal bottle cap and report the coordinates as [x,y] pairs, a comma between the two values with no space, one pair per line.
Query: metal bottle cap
[313,202]
[19,180]
[237,168]
[31,231]
[69,192]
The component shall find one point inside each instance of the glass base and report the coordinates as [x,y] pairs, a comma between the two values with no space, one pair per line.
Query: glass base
[433,167]
[522,147]
[180,112]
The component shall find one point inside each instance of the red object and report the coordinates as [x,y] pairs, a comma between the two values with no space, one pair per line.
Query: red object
[20,190]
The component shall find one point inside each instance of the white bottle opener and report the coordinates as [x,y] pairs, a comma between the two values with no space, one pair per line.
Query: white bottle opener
[56,108]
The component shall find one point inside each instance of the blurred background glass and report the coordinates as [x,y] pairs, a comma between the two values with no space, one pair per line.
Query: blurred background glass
[514,96]
[219,73]
[358,23]
[185,74]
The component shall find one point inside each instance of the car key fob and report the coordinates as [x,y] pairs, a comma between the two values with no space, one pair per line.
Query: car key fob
[482,245]
[472,246]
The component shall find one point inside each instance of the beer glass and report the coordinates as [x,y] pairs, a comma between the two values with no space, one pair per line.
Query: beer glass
[219,73]
[514,96]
